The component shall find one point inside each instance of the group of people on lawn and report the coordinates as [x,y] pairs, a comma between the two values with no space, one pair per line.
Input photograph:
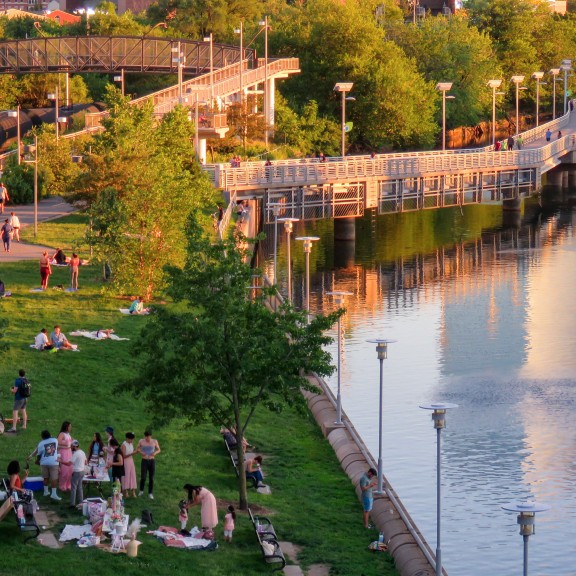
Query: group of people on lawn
[57,341]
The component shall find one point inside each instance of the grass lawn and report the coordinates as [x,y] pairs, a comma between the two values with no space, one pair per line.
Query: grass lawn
[313,504]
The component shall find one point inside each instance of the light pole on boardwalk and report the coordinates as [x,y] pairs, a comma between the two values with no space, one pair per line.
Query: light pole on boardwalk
[517,80]
[494,84]
[308,240]
[444,87]
[554,72]
[339,298]
[343,88]
[439,419]
[288,223]
[538,77]
[16,114]
[382,350]
[566,66]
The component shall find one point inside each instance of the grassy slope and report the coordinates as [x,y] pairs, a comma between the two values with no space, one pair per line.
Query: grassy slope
[313,503]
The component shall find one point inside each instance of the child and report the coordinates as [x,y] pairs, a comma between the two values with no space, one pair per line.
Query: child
[229,523]
[183,515]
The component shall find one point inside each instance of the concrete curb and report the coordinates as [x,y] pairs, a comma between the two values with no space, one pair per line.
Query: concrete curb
[408,557]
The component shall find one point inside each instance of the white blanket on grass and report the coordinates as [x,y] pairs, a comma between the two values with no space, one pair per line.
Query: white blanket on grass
[127,311]
[96,335]
[74,532]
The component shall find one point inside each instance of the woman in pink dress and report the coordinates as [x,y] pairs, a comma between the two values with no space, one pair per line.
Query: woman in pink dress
[65,452]
[129,478]
[208,510]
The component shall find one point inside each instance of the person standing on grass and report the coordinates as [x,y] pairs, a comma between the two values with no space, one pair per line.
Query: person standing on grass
[229,523]
[149,449]
[45,270]
[367,483]
[20,401]
[47,450]
[129,478]
[74,266]
[15,222]
[65,451]
[78,463]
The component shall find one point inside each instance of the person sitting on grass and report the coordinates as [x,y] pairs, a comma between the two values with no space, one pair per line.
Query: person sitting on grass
[41,341]
[253,470]
[59,257]
[137,306]
[3,291]
[59,340]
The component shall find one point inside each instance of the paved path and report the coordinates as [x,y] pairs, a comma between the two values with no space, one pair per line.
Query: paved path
[48,209]
[570,128]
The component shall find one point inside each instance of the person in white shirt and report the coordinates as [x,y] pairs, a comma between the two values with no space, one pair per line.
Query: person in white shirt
[78,463]
[41,341]
[15,222]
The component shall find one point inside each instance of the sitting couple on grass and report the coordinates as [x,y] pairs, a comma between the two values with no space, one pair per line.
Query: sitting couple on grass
[58,341]
[137,306]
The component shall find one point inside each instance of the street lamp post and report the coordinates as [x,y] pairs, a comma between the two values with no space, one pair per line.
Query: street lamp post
[566,66]
[16,114]
[444,87]
[554,72]
[343,88]
[276,212]
[538,77]
[55,96]
[120,78]
[210,39]
[382,351]
[240,31]
[28,150]
[339,298]
[288,222]
[307,240]
[180,59]
[439,419]
[517,80]
[526,520]
[264,23]
[494,84]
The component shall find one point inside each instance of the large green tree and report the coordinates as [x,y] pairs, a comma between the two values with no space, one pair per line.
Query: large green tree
[217,355]
[140,181]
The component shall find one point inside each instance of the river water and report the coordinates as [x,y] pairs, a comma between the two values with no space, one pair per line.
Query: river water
[483,315]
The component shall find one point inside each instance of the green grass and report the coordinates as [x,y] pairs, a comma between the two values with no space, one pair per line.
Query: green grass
[313,503]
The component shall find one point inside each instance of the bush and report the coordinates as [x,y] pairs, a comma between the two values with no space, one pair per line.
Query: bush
[19,181]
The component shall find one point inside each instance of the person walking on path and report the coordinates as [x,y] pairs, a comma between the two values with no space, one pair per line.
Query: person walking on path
[510,142]
[367,483]
[21,391]
[149,449]
[4,198]
[548,135]
[519,142]
[7,231]
[15,223]
[78,463]
[74,265]
[45,270]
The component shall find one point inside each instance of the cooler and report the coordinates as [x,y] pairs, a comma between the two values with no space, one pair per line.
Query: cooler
[34,483]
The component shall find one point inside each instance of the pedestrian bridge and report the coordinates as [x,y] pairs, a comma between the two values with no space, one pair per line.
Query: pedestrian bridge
[344,187]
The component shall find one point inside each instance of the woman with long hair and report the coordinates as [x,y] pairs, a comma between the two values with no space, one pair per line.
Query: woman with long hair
[65,451]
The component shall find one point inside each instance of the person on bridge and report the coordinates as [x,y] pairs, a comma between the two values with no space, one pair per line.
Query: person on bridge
[497,146]
[519,142]
[511,142]
[559,134]
[548,135]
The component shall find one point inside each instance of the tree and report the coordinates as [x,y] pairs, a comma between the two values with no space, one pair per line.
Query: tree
[139,183]
[217,355]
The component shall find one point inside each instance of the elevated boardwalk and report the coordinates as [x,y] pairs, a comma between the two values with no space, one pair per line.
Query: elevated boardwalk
[345,187]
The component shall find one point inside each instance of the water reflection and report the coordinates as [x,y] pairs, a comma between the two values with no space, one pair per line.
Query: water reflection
[483,316]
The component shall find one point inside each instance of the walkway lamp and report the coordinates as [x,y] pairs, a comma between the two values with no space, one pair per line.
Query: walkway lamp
[382,351]
[538,77]
[240,32]
[120,78]
[210,39]
[276,212]
[55,97]
[554,72]
[16,114]
[566,66]
[288,222]
[308,240]
[339,298]
[28,151]
[494,84]
[267,93]
[526,520]
[444,87]
[179,58]
[439,419]
[343,88]
[517,80]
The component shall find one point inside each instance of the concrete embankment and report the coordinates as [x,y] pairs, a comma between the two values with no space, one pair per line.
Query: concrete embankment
[412,555]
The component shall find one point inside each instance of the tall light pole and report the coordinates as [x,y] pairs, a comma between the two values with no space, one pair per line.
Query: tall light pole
[55,97]
[120,78]
[339,298]
[526,520]
[494,84]
[444,87]
[307,240]
[264,23]
[538,77]
[276,212]
[566,66]
[517,80]
[16,114]
[180,59]
[210,39]
[554,72]
[240,31]
[439,419]
[28,150]
[288,222]
[343,88]
[382,351]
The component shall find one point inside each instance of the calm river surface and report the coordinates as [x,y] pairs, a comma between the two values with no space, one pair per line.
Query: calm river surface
[483,315]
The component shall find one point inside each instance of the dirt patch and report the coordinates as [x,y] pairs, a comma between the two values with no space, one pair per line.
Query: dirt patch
[318,570]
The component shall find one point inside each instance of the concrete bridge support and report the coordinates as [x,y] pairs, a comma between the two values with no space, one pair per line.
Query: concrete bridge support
[554,178]
[345,229]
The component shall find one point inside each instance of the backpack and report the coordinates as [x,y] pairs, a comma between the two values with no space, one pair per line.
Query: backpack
[24,388]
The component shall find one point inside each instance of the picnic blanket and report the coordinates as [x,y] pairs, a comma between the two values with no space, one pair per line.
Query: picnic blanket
[173,539]
[74,532]
[96,335]
[127,311]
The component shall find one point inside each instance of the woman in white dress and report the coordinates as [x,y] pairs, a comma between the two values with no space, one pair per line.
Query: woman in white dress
[129,478]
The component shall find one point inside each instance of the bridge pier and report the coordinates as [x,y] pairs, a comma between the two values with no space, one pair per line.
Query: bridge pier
[554,177]
[512,205]
[345,229]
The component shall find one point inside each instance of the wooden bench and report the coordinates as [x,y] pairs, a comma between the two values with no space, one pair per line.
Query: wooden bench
[265,533]
[234,459]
